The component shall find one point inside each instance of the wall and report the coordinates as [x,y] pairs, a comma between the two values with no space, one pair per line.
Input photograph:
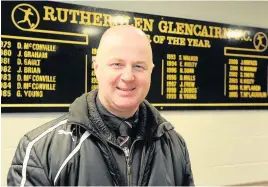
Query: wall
[226,147]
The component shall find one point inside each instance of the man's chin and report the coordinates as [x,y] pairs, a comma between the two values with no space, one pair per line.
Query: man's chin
[127,105]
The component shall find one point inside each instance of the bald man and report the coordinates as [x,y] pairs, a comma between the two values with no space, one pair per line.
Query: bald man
[111,136]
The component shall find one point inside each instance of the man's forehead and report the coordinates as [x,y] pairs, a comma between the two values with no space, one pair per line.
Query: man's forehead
[123,30]
[128,46]
[119,59]
[134,53]
[125,41]
[124,36]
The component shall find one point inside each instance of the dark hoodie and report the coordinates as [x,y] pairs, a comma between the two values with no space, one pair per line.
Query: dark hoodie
[78,149]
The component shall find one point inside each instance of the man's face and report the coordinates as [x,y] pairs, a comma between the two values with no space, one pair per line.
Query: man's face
[124,74]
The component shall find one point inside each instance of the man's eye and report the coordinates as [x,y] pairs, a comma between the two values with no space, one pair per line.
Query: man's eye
[116,65]
[139,66]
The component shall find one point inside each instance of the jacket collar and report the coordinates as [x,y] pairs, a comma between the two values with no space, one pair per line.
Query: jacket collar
[83,111]
[112,121]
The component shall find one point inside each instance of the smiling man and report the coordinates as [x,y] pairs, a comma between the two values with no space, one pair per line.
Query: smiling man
[123,68]
[112,135]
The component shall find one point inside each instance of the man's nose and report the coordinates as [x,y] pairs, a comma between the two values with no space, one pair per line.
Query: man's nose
[127,74]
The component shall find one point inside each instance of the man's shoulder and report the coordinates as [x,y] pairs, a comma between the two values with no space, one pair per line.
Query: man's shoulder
[151,110]
[177,137]
[164,124]
[47,128]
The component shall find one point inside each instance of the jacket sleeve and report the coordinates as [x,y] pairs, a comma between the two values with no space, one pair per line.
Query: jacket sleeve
[181,153]
[188,180]
[26,168]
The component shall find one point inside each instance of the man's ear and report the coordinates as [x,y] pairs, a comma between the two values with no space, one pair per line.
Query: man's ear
[95,64]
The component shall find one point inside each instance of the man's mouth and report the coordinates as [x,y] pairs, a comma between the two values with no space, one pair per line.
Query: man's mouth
[125,89]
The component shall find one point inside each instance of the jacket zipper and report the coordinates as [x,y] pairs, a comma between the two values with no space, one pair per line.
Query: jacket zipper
[127,153]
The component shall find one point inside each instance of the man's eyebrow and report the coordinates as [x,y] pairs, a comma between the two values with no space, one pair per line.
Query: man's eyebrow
[140,62]
[121,60]
[115,58]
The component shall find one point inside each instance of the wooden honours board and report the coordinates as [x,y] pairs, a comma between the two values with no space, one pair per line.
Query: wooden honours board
[47,50]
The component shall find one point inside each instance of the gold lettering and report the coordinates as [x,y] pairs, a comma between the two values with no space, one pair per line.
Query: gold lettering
[85,18]
[49,14]
[144,24]
[190,58]
[162,26]
[74,13]
[33,93]
[62,14]
[96,20]
[32,70]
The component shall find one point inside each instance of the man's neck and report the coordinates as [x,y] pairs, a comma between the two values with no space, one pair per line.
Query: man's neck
[121,113]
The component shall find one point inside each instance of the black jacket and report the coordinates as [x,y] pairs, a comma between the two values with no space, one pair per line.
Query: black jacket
[78,149]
